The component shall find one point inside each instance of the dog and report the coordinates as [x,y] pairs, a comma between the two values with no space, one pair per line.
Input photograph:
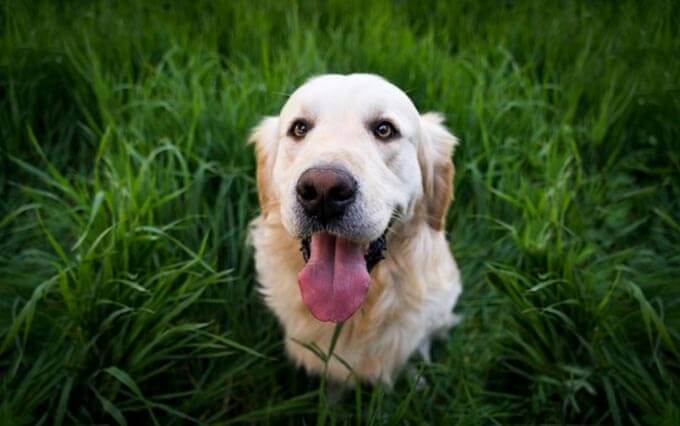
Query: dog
[354,186]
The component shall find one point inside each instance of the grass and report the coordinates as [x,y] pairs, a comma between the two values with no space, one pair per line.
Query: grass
[126,283]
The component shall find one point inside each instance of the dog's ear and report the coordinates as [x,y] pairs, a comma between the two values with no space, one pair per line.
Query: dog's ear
[264,137]
[434,155]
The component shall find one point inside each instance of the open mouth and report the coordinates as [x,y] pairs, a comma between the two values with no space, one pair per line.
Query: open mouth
[373,255]
[334,280]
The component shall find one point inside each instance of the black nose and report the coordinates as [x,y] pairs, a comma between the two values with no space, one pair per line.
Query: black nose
[326,192]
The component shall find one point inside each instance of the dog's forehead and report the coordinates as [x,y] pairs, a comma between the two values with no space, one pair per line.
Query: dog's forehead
[360,93]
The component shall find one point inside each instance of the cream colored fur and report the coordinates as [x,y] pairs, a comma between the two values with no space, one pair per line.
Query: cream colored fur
[414,289]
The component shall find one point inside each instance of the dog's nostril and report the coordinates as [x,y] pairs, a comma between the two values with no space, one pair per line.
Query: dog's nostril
[340,193]
[325,192]
[307,192]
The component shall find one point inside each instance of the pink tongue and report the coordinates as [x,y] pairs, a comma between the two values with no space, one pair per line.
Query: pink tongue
[334,281]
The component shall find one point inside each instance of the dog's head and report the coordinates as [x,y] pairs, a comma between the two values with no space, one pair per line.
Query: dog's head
[346,157]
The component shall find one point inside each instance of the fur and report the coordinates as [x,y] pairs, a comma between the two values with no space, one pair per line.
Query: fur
[414,289]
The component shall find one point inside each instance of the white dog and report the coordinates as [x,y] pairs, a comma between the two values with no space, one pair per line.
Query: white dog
[354,185]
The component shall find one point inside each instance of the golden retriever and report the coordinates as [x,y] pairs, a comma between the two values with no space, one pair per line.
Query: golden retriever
[354,185]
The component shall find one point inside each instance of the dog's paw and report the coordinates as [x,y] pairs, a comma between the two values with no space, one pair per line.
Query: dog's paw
[420,382]
[443,332]
[424,350]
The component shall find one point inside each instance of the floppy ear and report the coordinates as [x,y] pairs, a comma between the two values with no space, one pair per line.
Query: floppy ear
[264,136]
[434,155]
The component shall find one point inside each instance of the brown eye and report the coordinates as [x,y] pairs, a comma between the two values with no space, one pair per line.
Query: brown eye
[299,129]
[384,130]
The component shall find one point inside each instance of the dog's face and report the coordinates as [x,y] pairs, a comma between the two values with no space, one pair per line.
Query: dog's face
[346,156]
[360,133]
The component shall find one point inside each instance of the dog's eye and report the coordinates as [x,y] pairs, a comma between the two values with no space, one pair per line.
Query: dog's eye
[299,129]
[384,130]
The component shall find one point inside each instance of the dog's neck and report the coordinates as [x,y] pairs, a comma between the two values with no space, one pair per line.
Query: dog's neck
[406,239]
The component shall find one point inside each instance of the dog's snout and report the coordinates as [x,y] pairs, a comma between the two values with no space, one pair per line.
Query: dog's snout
[326,192]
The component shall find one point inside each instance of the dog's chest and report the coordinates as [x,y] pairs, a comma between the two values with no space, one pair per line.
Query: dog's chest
[408,298]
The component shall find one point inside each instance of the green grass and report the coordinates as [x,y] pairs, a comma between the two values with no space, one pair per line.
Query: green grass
[126,282]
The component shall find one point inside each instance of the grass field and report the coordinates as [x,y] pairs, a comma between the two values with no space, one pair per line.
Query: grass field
[126,284]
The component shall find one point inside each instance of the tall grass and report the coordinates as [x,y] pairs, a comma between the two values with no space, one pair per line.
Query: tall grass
[126,282]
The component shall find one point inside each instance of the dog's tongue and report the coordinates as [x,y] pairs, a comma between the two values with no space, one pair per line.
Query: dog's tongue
[334,281]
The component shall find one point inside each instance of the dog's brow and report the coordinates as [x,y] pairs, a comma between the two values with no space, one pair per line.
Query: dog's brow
[303,114]
[377,113]
[381,113]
